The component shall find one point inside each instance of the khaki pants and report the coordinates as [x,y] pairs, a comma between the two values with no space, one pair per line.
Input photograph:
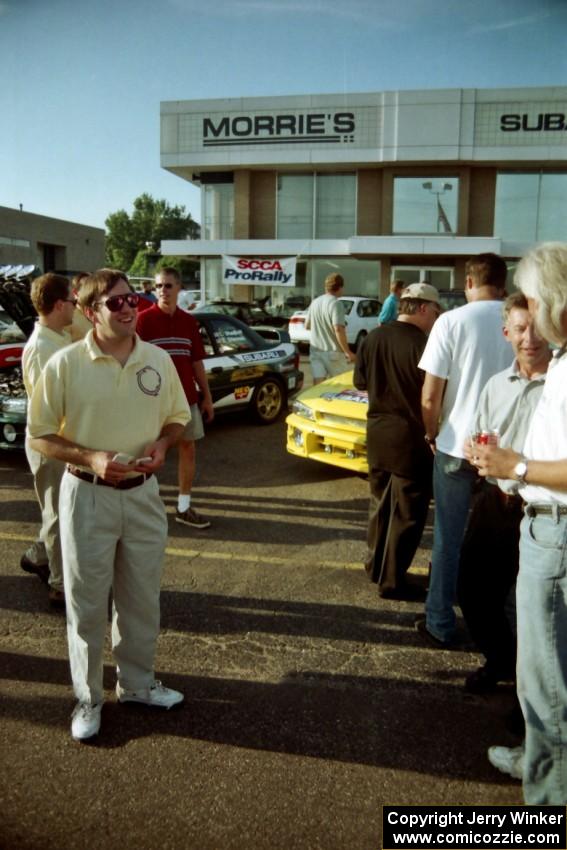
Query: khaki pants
[47,474]
[111,539]
[327,364]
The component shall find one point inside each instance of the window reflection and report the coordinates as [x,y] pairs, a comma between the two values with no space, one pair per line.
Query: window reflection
[531,207]
[425,205]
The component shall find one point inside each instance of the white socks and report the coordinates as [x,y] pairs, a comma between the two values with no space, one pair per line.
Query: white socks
[183,503]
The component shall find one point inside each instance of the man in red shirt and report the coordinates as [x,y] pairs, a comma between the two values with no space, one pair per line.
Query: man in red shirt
[174,330]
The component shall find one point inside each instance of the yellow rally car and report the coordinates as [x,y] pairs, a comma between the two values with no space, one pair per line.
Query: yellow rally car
[328,423]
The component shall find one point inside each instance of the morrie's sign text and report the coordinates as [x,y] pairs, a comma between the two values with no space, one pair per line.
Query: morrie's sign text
[325,127]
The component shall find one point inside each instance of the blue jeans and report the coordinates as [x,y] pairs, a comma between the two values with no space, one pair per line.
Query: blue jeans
[453,479]
[541,598]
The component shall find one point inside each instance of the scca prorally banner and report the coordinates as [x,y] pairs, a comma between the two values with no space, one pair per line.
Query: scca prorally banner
[259,270]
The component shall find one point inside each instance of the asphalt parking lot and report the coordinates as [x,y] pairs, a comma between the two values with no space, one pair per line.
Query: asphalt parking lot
[309,701]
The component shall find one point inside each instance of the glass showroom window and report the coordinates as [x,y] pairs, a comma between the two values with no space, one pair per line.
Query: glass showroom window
[426,204]
[295,206]
[218,210]
[531,207]
[335,206]
[320,206]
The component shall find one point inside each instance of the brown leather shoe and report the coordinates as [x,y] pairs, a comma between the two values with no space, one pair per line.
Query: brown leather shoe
[56,598]
[407,592]
[40,570]
[429,638]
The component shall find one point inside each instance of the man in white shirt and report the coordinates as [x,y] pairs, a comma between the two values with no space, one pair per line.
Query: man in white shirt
[329,351]
[541,471]
[55,305]
[465,348]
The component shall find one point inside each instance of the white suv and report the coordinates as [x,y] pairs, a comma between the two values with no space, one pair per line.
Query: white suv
[361,314]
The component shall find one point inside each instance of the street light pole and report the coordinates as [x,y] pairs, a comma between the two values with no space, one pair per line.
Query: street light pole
[441,214]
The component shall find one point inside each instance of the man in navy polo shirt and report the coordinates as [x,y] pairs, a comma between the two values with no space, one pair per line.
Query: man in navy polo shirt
[174,330]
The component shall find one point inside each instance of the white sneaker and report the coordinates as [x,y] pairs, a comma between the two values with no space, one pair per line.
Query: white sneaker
[86,721]
[508,760]
[157,695]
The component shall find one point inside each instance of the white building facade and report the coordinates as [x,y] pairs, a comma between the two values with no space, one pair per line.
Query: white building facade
[405,184]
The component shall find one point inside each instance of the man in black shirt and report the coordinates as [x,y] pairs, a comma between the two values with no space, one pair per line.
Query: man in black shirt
[399,459]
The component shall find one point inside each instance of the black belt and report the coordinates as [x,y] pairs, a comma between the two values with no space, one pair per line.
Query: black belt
[510,500]
[125,484]
[549,510]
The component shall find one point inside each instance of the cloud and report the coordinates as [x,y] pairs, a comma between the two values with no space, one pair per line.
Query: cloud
[386,14]
[511,23]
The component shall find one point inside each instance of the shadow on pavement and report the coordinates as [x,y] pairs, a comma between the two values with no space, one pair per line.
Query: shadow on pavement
[246,529]
[370,721]
[201,613]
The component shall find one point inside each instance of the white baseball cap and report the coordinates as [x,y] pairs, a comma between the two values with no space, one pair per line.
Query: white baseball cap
[424,291]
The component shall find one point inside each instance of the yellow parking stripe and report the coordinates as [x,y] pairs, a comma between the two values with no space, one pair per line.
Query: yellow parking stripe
[232,556]
[254,559]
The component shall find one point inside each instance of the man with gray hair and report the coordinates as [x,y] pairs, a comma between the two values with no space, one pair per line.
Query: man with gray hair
[330,354]
[541,472]
[489,556]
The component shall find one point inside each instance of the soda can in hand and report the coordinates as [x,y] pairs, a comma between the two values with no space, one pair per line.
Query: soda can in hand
[486,438]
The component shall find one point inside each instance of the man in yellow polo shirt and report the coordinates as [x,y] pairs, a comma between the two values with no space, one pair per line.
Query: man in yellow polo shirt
[55,305]
[108,398]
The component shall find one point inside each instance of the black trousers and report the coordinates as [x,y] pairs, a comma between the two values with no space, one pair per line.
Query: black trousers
[396,519]
[487,577]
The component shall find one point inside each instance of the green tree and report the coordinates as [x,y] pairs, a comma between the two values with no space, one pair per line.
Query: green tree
[186,268]
[151,221]
[143,264]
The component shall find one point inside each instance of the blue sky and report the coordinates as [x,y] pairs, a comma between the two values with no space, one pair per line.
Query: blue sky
[82,80]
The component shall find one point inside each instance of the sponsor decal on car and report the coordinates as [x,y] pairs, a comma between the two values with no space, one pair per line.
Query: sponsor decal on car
[260,356]
[241,393]
[359,396]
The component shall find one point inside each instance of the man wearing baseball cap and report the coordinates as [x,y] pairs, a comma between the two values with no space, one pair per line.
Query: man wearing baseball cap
[399,459]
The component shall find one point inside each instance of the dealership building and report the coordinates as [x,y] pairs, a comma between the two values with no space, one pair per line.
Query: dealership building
[405,184]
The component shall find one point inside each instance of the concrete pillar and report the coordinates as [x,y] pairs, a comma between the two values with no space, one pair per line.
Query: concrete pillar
[385,274]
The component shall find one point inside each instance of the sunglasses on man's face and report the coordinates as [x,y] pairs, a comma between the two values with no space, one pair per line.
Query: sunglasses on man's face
[116,302]
[164,286]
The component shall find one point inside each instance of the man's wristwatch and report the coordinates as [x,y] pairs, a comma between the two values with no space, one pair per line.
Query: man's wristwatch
[521,470]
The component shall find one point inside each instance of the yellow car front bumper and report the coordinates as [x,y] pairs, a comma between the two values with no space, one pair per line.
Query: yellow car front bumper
[328,444]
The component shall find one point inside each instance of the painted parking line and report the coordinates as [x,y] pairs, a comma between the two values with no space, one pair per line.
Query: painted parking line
[258,559]
[192,554]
